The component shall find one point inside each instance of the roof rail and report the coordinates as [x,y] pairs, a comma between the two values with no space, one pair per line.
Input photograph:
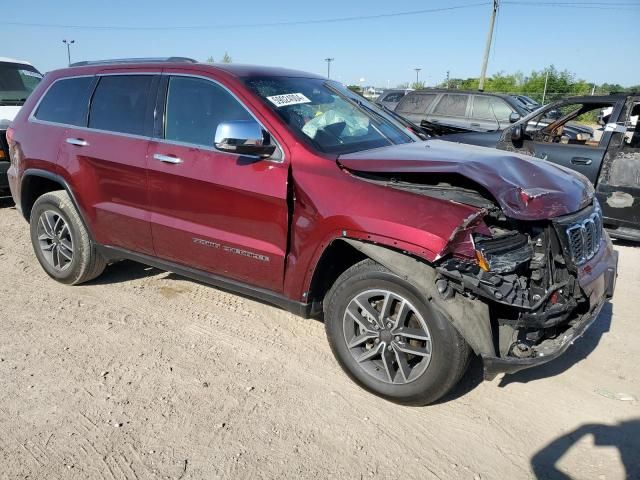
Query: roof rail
[134,60]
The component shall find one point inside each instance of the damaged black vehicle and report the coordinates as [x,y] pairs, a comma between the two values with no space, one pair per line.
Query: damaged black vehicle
[609,158]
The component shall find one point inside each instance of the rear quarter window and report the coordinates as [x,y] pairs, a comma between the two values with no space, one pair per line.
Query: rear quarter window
[415,103]
[393,97]
[66,102]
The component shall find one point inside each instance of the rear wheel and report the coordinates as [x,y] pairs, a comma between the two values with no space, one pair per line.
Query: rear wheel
[61,242]
[389,339]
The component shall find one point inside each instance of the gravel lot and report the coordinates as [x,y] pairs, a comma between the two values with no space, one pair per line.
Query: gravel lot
[144,374]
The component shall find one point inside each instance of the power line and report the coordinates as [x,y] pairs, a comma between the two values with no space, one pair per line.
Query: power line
[226,26]
[606,5]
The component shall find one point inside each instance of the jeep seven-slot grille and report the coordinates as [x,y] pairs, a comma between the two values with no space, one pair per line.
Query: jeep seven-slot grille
[584,238]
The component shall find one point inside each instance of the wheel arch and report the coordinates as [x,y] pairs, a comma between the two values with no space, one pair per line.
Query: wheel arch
[471,318]
[37,182]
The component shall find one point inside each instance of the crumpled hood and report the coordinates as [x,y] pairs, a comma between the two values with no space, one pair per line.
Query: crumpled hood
[525,188]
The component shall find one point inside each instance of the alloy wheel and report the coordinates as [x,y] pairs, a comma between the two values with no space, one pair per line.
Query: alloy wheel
[387,336]
[55,240]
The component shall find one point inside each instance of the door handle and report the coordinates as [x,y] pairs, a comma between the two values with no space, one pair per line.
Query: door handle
[166,158]
[474,124]
[581,161]
[78,142]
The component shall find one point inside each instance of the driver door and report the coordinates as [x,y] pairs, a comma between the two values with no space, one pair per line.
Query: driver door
[560,142]
[217,212]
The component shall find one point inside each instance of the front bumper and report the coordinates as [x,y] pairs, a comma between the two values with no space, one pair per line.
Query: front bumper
[4,181]
[599,284]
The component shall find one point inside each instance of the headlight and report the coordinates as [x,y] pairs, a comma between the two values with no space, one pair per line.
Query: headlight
[502,254]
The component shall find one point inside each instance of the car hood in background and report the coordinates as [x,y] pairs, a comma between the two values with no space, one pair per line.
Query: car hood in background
[525,188]
[7,114]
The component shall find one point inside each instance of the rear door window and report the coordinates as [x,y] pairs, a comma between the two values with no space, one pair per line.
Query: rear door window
[195,108]
[453,105]
[66,102]
[416,103]
[121,104]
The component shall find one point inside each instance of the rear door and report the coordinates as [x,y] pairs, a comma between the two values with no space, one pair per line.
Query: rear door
[218,212]
[618,187]
[106,160]
[451,109]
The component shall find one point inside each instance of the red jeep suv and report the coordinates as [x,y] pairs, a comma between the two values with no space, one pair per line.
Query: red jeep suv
[288,187]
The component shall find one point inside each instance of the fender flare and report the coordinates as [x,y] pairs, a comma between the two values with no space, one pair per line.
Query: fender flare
[36,172]
[469,317]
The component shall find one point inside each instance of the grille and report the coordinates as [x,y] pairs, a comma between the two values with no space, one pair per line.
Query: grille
[584,238]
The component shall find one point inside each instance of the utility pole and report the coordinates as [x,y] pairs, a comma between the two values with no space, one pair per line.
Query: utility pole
[487,48]
[68,44]
[417,74]
[329,60]
[544,92]
[447,79]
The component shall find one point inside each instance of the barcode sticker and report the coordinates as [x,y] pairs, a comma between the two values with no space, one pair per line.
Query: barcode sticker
[288,99]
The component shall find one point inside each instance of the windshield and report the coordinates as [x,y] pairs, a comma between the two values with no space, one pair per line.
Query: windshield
[17,81]
[327,115]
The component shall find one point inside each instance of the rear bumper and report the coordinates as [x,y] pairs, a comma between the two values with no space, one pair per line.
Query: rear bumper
[599,288]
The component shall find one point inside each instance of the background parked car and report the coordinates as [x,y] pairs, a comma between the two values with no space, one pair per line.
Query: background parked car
[390,98]
[461,110]
[527,102]
[17,80]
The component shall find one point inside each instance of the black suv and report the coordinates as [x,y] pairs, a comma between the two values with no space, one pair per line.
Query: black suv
[460,110]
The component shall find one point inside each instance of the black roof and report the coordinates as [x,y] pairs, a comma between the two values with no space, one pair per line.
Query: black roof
[454,90]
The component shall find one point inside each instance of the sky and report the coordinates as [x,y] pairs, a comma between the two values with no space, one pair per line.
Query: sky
[596,42]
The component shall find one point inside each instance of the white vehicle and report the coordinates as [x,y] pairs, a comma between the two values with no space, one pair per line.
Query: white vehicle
[17,80]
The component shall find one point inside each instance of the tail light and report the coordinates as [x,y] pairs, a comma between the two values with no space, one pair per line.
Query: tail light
[10,132]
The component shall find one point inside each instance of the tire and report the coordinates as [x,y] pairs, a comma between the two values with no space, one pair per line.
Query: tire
[61,241]
[442,355]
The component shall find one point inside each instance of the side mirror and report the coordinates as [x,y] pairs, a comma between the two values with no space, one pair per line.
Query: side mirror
[243,137]
[514,117]
[516,133]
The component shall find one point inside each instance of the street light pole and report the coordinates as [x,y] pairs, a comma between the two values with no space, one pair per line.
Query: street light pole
[417,74]
[329,60]
[68,44]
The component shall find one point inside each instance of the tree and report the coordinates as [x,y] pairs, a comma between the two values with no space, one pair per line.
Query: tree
[226,58]
[210,60]
[418,85]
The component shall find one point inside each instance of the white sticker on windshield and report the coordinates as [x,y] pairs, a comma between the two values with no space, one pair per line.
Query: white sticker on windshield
[29,73]
[288,99]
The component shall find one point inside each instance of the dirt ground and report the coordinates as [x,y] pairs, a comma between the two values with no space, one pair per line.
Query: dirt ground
[144,374]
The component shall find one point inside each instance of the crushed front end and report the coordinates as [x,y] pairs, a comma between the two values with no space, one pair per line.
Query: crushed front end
[544,282]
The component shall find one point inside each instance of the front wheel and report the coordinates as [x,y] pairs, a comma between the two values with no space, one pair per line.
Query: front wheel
[389,339]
